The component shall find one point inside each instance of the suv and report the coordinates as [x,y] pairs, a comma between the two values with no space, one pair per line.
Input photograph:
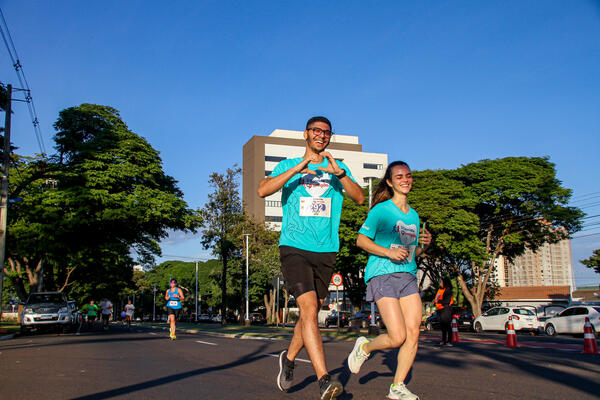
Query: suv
[363,319]
[47,309]
[332,319]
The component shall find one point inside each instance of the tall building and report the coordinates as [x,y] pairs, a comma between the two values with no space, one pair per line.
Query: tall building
[263,153]
[550,265]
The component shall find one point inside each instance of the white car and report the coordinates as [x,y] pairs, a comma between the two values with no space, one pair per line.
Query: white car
[571,320]
[496,319]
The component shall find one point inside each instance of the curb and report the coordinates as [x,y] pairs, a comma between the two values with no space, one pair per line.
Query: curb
[7,337]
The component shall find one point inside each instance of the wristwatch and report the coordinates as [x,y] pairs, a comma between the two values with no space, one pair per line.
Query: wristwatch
[343,174]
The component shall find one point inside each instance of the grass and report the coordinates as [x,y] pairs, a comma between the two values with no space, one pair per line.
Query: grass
[8,327]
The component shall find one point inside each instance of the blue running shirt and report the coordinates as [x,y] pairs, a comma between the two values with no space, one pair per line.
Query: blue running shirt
[389,227]
[312,207]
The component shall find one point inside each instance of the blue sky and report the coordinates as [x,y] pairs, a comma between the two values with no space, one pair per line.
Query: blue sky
[437,84]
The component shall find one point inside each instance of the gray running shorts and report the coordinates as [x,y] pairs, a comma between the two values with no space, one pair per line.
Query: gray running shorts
[396,285]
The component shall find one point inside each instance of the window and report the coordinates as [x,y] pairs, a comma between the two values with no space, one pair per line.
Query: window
[274,158]
[372,166]
[272,203]
[270,218]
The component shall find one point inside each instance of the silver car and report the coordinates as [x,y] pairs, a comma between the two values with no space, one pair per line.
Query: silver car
[46,309]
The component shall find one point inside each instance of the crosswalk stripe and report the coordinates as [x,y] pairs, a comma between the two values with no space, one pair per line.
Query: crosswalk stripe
[297,359]
[209,343]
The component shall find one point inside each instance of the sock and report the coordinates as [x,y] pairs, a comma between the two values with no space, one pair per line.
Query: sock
[362,348]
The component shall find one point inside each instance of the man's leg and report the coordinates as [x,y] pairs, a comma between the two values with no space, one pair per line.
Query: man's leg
[297,342]
[306,333]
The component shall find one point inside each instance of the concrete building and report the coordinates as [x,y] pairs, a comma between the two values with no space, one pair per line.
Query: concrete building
[262,153]
[550,265]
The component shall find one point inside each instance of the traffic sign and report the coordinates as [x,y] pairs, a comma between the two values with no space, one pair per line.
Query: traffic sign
[331,306]
[337,280]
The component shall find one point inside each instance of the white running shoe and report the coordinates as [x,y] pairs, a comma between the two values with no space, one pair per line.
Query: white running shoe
[357,356]
[401,392]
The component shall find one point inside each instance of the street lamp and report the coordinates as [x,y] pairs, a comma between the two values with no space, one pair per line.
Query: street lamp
[196,291]
[373,327]
[247,319]
[154,303]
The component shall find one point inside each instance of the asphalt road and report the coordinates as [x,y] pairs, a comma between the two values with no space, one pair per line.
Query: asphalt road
[144,364]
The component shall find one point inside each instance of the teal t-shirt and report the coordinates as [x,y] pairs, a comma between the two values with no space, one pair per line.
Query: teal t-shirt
[389,227]
[312,207]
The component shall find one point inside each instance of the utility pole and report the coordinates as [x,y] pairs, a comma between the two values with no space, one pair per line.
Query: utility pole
[196,291]
[373,329]
[247,319]
[4,189]
[154,303]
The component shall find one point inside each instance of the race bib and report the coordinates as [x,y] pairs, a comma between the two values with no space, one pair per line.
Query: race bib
[173,303]
[315,207]
[411,252]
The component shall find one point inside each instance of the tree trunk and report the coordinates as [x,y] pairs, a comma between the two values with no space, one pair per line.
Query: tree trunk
[269,305]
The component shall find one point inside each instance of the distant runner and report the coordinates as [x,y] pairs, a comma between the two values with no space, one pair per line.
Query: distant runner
[312,189]
[391,237]
[129,309]
[174,297]
[106,307]
[90,311]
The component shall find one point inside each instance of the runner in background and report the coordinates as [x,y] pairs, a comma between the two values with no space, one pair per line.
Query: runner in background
[106,307]
[90,310]
[312,193]
[443,302]
[391,237]
[174,297]
[129,309]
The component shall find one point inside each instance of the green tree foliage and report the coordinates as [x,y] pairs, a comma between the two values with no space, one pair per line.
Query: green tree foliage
[221,214]
[593,262]
[83,211]
[488,209]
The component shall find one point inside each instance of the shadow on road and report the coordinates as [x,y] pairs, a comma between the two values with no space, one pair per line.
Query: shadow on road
[249,358]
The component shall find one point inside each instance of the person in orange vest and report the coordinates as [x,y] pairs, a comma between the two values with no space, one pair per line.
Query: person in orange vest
[443,302]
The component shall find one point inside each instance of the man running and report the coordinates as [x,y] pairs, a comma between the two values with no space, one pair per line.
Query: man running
[312,204]
[129,309]
[90,310]
[174,297]
[106,307]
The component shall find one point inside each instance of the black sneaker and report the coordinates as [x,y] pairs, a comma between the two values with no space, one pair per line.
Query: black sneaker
[330,388]
[286,372]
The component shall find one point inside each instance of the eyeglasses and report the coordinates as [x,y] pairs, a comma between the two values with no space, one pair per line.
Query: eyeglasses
[319,132]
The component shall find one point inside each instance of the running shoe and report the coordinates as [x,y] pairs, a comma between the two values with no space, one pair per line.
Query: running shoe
[330,388]
[286,372]
[401,392]
[357,356]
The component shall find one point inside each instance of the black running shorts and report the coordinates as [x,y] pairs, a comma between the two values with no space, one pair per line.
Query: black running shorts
[305,271]
[174,312]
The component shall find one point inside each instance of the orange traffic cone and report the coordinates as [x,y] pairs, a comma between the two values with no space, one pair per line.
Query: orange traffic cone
[511,336]
[589,340]
[454,331]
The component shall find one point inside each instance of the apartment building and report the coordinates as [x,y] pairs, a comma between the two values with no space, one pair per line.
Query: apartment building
[262,153]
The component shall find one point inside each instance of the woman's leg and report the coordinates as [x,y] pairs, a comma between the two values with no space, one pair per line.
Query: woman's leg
[412,310]
[393,318]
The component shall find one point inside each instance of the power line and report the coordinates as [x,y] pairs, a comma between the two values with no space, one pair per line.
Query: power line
[12,52]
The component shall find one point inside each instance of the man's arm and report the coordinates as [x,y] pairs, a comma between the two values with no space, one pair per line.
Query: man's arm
[270,185]
[353,189]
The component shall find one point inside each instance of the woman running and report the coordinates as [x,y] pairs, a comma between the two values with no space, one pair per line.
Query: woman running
[391,236]
[174,297]
[129,310]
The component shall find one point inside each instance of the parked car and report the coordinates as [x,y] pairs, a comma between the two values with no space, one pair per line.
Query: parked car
[204,318]
[464,319]
[332,319]
[47,309]
[257,318]
[571,320]
[363,319]
[215,318]
[496,319]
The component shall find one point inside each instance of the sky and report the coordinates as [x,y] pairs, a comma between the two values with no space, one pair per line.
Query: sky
[437,84]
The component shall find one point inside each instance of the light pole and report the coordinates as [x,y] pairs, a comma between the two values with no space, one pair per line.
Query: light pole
[247,319]
[373,327]
[154,303]
[196,291]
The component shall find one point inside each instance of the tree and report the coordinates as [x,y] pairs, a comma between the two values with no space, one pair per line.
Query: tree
[221,214]
[593,262]
[488,209]
[84,210]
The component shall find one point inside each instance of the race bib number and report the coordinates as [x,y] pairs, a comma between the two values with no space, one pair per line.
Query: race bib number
[173,303]
[315,207]
[411,252]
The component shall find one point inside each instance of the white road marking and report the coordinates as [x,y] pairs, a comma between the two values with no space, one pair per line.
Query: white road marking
[297,359]
[209,343]
[153,333]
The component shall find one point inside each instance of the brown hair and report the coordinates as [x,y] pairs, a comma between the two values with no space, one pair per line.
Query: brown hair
[383,191]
